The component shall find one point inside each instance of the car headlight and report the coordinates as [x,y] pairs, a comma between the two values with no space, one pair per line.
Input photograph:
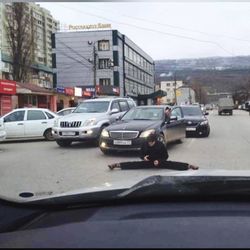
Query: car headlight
[89,122]
[105,133]
[147,133]
[204,123]
[56,122]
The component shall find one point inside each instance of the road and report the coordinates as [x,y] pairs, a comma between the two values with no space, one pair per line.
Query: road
[44,168]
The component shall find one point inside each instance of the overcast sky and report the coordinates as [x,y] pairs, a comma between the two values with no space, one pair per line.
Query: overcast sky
[169,30]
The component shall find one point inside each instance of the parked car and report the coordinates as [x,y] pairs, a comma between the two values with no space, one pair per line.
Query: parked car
[89,119]
[2,130]
[134,127]
[29,123]
[195,120]
[65,111]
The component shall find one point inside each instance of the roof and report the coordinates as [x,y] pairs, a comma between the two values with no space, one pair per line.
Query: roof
[26,88]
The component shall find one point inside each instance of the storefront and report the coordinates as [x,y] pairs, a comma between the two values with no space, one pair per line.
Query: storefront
[31,95]
[7,91]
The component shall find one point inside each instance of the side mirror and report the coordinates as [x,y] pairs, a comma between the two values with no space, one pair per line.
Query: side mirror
[118,118]
[172,118]
[114,111]
[206,113]
[4,120]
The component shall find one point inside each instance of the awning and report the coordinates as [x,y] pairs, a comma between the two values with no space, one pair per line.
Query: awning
[154,95]
[29,88]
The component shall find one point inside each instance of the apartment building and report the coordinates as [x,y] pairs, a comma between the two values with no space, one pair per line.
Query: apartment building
[42,26]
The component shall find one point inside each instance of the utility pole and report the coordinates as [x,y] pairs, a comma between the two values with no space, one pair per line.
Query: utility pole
[175,97]
[94,67]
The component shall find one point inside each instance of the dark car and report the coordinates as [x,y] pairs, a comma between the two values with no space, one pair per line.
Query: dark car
[196,122]
[134,127]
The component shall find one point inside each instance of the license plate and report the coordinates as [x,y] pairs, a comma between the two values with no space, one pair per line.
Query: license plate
[122,142]
[68,133]
[190,129]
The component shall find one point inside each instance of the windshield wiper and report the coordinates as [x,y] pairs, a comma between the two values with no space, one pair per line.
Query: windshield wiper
[172,186]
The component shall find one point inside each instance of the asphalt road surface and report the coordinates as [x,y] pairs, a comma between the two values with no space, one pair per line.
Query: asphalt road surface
[44,168]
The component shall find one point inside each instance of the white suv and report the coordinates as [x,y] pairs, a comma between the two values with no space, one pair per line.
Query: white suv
[89,118]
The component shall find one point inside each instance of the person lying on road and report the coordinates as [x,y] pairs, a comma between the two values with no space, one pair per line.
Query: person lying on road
[154,154]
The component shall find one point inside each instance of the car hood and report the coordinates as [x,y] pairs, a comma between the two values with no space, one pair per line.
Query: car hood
[138,125]
[132,178]
[195,118]
[81,116]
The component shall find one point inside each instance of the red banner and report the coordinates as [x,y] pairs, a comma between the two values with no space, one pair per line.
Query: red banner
[69,91]
[7,87]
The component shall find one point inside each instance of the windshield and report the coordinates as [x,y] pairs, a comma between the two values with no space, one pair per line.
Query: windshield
[192,111]
[143,114]
[92,107]
[120,65]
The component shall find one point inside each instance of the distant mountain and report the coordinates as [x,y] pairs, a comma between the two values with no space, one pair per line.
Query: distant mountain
[211,63]
[215,73]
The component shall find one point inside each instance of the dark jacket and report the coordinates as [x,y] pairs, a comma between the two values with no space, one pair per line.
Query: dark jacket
[157,152]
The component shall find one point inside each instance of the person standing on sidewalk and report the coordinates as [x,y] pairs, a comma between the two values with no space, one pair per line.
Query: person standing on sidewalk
[154,154]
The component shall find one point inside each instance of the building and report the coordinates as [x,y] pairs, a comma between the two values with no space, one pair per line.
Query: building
[101,62]
[42,25]
[170,88]
[185,95]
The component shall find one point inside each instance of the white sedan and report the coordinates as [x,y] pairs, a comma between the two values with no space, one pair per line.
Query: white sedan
[29,123]
[2,131]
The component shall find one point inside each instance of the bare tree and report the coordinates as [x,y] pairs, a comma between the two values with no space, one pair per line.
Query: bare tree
[200,92]
[20,38]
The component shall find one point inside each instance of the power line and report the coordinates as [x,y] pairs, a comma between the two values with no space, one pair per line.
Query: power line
[177,27]
[76,52]
[152,30]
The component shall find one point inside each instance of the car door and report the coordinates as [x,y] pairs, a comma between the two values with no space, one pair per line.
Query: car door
[174,127]
[14,124]
[36,123]
[115,116]
[179,125]
[124,107]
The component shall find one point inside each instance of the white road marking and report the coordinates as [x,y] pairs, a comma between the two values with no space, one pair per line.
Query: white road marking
[191,142]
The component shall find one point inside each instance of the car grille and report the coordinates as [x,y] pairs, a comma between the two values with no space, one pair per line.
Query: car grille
[124,135]
[70,124]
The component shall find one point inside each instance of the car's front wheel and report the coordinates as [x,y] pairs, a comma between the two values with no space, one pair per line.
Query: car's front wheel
[48,135]
[64,143]
[161,138]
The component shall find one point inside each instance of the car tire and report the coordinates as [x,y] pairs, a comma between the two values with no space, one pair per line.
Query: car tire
[97,140]
[161,138]
[48,135]
[64,143]
[105,151]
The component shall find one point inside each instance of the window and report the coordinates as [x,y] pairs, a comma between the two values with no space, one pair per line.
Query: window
[50,116]
[131,104]
[105,82]
[176,112]
[123,105]
[104,63]
[35,115]
[15,116]
[115,105]
[103,45]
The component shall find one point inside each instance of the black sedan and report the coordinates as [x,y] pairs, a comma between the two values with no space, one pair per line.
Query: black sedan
[133,128]
[196,122]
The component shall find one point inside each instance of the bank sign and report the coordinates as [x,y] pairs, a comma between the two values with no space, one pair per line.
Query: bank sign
[7,87]
[90,26]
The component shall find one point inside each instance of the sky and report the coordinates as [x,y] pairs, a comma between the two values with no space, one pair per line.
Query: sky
[170,30]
